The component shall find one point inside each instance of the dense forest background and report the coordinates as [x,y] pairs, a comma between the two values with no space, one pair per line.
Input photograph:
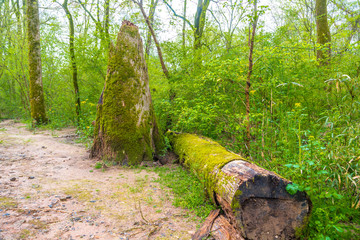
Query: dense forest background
[287,109]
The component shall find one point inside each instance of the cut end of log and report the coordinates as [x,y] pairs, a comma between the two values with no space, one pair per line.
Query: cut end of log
[260,206]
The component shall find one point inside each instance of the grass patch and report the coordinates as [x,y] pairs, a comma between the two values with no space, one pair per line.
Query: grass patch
[37,224]
[7,203]
[25,233]
[83,190]
[188,190]
[98,165]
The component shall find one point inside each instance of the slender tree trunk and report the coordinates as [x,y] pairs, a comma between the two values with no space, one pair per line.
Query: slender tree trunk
[166,72]
[248,81]
[184,29]
[323,33]
[19,38]
[24,18]
[199,25]
[37,103]
[73,59]
[106,21]
[151,20]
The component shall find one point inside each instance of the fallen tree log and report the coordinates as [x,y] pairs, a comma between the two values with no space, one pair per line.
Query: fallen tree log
[254,200]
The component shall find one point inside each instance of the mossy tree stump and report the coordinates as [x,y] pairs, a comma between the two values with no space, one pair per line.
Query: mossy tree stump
[125,126]
[255,201]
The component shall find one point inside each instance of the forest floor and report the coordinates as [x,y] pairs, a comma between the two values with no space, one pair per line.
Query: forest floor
[49,189]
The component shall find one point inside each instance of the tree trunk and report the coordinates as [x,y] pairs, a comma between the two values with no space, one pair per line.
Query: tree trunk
[323,33]
[199,25]
[37,103]
[125,129]
[184,28]
[107,21]
[151,20]
[248,81]
[73,59]
[255,200]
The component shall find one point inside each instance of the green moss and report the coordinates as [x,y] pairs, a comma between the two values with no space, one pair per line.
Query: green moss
[301,231]
[37,102]
[205,157]
[7,203]
[236,204]
[123,128]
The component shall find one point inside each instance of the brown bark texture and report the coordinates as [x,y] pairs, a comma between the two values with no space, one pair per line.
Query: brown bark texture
[323,33]
[151,20]
[37,102]
[255,201]
[73,59]
[125,129]
[199,25]
[248,80]
[204,231]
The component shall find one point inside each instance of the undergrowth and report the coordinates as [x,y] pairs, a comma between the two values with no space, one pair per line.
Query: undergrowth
[188,190]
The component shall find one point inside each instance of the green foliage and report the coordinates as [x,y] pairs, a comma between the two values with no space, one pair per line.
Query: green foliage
[98,165]
[188,190]
[304,118]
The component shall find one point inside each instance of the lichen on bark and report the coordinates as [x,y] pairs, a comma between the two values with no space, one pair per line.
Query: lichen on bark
[126,130]
[37,102]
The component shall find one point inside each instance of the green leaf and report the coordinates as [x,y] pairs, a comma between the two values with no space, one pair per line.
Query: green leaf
[292,188]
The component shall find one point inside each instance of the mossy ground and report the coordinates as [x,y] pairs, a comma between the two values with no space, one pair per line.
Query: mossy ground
[7,203]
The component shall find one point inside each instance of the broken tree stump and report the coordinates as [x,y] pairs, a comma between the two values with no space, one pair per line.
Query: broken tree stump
[126,131]
[254,200]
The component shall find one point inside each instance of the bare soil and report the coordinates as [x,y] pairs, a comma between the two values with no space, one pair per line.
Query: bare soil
[49,189]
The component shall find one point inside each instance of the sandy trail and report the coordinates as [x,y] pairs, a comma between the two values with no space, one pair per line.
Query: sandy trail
[49,189]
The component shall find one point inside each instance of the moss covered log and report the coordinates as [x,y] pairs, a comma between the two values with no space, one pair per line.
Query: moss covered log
[125,129]
[254,200]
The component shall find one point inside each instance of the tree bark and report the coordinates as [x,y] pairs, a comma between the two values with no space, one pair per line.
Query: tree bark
[107,21]
[73,59]
[184,28]
[199,25]
[125,129]
[248,81]
[151,20]
[323,33]
[223,230]
[37,103]
[255,200]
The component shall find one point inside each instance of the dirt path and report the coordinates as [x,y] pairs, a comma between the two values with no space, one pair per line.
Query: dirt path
[49,189]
